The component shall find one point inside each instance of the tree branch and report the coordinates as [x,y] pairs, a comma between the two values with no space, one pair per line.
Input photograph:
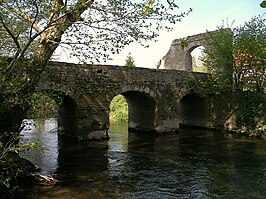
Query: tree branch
[35,19]
[78,9]
[56,6]
[22,15]
[15,39]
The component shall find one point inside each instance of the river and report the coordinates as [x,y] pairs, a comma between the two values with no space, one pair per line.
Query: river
[190,164]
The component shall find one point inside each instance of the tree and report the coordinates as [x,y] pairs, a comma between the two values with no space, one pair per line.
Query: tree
[130,61]
[250,55]
[91,30]
[236,58]
[218,57]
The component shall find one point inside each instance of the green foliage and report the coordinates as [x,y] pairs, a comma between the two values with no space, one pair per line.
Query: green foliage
[253,111]
[237,58]
[118,109]
[250,55]
[42,106]
[196,68]
[263,4]
[130,61]
[11,166]
[148,8]
[13,145]
[212,87]
[192,83]
[218,57]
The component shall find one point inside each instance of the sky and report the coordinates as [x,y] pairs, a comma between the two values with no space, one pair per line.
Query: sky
[206,15]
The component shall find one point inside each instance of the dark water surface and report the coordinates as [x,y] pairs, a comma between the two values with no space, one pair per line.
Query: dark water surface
[191,164]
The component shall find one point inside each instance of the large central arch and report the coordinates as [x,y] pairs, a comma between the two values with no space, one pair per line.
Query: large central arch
[141,111]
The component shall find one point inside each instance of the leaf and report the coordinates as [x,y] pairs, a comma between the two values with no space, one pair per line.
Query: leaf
[263,4]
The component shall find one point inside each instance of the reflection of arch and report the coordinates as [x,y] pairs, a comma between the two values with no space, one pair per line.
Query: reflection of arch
[194,110]
[141,108]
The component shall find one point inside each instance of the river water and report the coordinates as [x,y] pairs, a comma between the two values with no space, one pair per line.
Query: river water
[190,164]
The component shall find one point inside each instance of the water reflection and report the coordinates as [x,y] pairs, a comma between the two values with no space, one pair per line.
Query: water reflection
[45,133]
[192,164]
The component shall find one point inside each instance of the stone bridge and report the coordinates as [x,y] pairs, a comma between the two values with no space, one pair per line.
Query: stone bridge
[158,100]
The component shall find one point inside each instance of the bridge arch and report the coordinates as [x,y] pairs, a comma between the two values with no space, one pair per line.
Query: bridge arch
[194,110]
[141,111]
[67,110]
[188,56]
[141,107]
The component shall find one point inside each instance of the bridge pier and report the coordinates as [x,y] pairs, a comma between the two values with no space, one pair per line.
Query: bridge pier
[83,118]
[93,124]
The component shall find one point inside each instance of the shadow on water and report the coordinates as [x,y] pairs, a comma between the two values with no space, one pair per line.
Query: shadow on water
[191,164]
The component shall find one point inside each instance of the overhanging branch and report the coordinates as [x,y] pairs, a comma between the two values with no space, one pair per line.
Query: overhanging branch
[22,15]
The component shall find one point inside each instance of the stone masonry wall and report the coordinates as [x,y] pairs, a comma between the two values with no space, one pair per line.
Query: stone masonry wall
[88,90]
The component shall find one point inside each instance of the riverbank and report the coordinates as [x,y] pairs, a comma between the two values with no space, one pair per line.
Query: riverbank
[258,133]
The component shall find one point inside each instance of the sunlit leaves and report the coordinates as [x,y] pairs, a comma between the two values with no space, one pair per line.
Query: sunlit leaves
[118,109]
[108,26]
[148,8]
